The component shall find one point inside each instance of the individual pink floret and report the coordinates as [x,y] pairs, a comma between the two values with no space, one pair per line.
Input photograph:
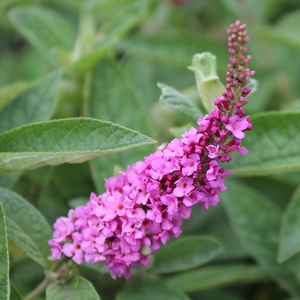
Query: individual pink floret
[237,126]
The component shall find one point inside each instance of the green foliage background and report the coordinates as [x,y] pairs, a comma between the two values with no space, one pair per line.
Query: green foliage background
[65,62]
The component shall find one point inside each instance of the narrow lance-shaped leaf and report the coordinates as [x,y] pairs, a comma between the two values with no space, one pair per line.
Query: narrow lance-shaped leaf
[9,180]
[45,29]
[89,48]
[101,5]
[72,290]
[186,253]
[289,233]
[26,227]
[4,262]
[149,291]
[87,31]
[173,98]
[10,92]
[60,141]
[117,26]
[285,32]
[14,294]
[273,145]
[213,277]
[183,46]
[249,212]
[95,54]
[33,105]
[125,19]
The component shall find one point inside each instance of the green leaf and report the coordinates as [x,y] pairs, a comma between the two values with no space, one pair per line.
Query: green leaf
[4,261]
[72,290]
[273,36]
[248,213]
[45,29]
[26,227]
[183,44]
[9,180]
[97,52]
[60,185]
[213,294]
[213,277]
[289,234]
[4,4]
[60,141]
[63,183]
[33,105]
[285,32]
[175,99]
[140,73]
[88,52]
[14,294]
[259,101]
[273,145]
[87,31]
[186,253]
[124,19]
[99,6]
[10,92]
[209,87]
[109,88]
[289,25]
[221,230]
[149,291]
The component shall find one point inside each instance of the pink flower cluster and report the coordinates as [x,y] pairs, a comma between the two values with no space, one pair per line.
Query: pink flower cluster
[145,205]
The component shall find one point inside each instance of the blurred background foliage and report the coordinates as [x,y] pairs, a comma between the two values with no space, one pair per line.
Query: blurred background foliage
[112,53]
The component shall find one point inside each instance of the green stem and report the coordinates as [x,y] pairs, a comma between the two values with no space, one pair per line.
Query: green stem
[38,290]
[44,284]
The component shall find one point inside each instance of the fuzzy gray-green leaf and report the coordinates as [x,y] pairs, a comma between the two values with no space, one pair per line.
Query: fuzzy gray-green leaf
[174,99]
[4,261]
[72,290]
[26,227]
[186,253]
[273,145]
[59,141]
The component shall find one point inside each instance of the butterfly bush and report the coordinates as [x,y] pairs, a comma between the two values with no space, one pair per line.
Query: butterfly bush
[145,205]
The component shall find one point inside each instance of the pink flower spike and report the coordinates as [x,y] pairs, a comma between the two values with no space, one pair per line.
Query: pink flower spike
[236,126]
[144,206]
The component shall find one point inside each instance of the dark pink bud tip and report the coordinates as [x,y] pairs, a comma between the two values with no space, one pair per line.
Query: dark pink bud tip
[246,91]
